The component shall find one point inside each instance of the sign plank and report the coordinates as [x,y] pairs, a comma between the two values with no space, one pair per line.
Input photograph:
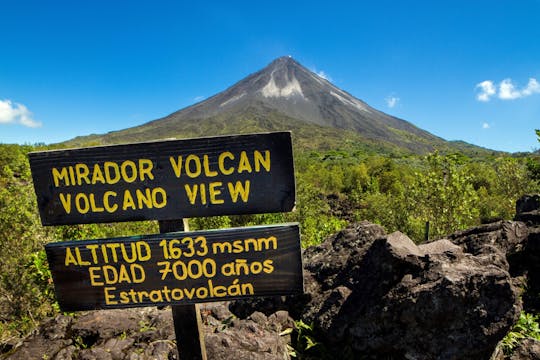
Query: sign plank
[228,175]
[177,268]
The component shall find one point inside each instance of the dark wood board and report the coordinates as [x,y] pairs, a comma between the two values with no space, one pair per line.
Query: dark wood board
[165,180]
[87,279]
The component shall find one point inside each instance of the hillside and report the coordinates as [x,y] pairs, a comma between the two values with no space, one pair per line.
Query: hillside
[287,96]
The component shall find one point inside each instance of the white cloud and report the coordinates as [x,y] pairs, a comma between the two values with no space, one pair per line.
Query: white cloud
[487,90]
[324,75]
[198,98]
[392,101]
[533,87]
[14,113]
[321,74]
[485,125]
[506,90]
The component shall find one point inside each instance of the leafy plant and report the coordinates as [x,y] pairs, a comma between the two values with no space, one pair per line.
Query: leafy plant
[146,326]
[41,274]
[304,345]
[526,327]
[79,342]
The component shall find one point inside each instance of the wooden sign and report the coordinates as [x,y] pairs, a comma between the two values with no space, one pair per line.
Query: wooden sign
[165,180]
[177,268]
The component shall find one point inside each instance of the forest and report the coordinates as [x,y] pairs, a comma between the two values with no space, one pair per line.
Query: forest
[423,196]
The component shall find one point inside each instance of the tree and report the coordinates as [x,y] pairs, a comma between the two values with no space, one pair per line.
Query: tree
[533,163]
[25,290]
[444,196]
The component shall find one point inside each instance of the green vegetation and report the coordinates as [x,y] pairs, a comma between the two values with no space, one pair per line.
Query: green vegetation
[526,327]
[334,186]
[306,136]
[25,297]
[303,342]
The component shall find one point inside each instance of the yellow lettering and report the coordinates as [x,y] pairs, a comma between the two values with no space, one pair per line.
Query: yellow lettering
[221,163]
[238,246]
[69,259]
[214,191]
[176,165]
[191,193]
[148,253]
[259,160]
[123,275]
[65,199]
[252,242]
[112,173]
[207,171]
[245,245]
[110,274]
[239,189]
[92,249]
[145,168]
[81,203]
[113,247]
[243,164]
[94,277]
[247,289]
[221,247]
[159,204]
[104,253]
[133,253]
[123,170]
[144,198]
[106,202]
[268,266]
[71,175]
[202,293]
[128,201]
[217,291]
[137,279]
[97,175]
[266,242]
[177,294]
[109,298]
[193,159]
[93,205]
[124,299]
[82,172]
[155,296]
[202,192]
[80,261]
[60,176]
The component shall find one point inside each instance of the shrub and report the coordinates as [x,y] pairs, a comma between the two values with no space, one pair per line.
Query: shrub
[526,327]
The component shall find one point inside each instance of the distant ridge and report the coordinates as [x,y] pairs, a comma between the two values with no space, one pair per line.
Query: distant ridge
[287,96]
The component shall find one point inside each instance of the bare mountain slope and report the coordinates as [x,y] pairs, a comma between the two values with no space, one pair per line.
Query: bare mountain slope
[287,96]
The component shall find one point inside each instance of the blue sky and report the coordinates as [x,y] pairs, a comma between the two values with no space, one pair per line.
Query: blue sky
[463,70]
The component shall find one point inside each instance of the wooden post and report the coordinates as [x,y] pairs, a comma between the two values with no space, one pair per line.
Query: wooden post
[186,318]
[426,233]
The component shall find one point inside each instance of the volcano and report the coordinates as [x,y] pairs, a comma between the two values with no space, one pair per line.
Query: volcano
[287,96]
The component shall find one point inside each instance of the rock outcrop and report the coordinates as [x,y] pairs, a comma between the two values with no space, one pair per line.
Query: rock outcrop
[373,295]
[147,334]
[528,349]
[368,295]
[382,295]
[527,263]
